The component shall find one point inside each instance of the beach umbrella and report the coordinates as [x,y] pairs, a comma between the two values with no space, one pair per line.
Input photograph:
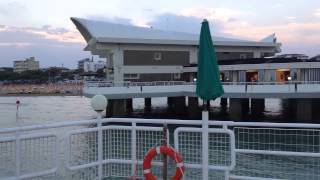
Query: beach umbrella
[209,87]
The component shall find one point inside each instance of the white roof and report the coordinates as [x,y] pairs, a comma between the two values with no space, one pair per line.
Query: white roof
[105,32]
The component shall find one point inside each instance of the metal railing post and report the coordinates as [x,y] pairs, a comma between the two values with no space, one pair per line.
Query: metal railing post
[205,144]
[100,147]
[17,154]
[165,157]
[134,148]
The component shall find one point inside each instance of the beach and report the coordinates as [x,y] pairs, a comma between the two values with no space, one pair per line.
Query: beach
[41,89]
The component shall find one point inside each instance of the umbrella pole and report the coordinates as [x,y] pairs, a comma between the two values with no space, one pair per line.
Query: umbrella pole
[165,157]
[206,105]
[205,140]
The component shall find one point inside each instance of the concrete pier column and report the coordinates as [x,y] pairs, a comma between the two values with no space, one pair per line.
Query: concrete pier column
[193,107]
[315,110]
[147,105]
[238,108]
[119,107]
[304,110]
[147,102]
[289,109]
[179,105]
[170,102]
[257,106]
[129,105]
[109,108]
[223,102]
[224,105]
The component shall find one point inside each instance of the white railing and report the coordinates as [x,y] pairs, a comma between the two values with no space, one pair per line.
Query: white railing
[180,88]
[172,83]
[87,150]
[133,84]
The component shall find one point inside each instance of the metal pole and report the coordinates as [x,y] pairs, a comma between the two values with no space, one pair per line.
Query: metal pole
[100,146]
[17,154]
[165,158]
[205,142]
[133,148]
[17,146]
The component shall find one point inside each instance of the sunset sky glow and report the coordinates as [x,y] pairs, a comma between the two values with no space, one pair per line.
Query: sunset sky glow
[43,29]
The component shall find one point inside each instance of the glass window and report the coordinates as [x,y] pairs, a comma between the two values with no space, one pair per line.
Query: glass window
[157,56]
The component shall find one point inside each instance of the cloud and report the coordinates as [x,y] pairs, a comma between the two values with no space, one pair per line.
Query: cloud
[189,24]
[221,19]
[45,34]
[291,17]
[11,8]
[118,20]
[172,22]
[279,5]
[13,12]
[317,13]
[50,45]
[221,14]
[291,32]
[14,44]
[295,36]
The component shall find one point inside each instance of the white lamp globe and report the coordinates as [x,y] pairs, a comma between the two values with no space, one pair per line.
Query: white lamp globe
[99,102]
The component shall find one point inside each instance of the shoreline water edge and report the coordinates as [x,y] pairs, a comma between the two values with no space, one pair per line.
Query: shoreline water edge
[49,89]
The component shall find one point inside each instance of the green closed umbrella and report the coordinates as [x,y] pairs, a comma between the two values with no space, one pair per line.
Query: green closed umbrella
[209,86]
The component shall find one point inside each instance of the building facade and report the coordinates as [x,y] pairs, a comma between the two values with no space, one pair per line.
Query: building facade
[82,62]
[144,54]
[26,65]
[278,70]
[92,66]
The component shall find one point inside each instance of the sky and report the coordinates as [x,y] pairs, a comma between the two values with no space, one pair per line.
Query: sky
[42,28]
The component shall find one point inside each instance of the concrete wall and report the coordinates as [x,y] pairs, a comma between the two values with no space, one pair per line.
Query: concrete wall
[157,77]
[311,74]
[141,57]
[233,55]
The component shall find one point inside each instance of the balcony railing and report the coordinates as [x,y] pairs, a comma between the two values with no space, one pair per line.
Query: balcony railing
[87,150]
[173,83]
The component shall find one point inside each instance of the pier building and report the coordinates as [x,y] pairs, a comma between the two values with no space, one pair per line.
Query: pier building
[146,63]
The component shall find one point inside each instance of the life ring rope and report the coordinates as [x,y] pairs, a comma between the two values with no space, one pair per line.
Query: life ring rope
[172,153]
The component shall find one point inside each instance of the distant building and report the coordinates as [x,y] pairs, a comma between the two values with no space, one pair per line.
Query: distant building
[316,58]
[82,62]
[26,65]
[6,69]
[146,54]
[290,56]
[92,66]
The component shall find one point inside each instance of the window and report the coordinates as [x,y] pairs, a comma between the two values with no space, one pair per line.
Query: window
[243,56]
[131,76]
[157,56]
[176,76]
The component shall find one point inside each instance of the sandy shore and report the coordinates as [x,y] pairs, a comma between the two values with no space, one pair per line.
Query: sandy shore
[65,89]
[35,95]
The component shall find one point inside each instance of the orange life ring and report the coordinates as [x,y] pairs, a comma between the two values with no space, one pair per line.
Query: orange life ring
[162,150]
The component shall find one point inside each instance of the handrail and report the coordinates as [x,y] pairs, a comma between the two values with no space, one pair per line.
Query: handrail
[159,122]
[132,84]
[227,130]
[173,83]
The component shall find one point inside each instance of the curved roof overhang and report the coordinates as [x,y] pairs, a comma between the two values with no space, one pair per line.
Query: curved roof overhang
[104,32]
[82,29]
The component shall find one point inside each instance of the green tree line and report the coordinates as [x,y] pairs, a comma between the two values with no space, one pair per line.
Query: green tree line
[52,75]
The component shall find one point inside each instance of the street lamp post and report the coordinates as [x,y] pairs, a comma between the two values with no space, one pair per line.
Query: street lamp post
[99,103]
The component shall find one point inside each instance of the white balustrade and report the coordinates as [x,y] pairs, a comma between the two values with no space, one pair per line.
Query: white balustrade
[85,150]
